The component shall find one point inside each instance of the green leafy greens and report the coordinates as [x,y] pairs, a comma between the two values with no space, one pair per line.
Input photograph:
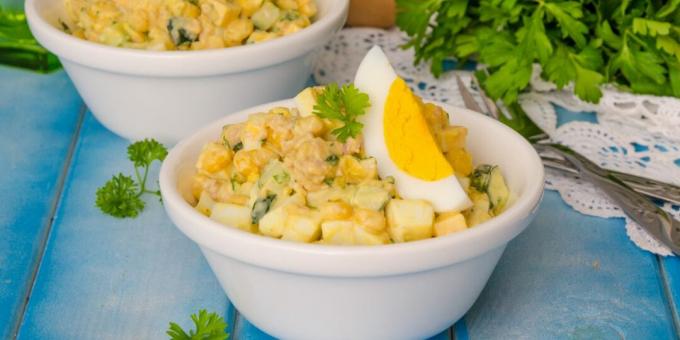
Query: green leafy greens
[121,195]
[209,326]
[634,44]
[345,104]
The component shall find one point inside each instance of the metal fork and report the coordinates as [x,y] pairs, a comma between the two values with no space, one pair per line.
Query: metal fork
[646,186]
[639,208]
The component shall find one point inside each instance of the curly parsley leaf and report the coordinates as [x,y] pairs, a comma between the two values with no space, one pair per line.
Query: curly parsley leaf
[144,152]
[121,195]
[345,104]
[637,42]
[208,326]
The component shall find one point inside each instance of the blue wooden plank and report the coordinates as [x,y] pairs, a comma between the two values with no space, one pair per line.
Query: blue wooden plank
[247,331]
[572,276]
[38,118]
[460,330]
[107,278]
[671,274]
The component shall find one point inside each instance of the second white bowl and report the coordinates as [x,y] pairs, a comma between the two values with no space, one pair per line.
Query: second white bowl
[169,94]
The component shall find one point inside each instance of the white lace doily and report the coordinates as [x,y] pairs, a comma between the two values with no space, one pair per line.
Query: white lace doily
[634,134]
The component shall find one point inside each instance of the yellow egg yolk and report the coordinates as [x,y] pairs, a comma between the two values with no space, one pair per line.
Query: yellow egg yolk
[408,138]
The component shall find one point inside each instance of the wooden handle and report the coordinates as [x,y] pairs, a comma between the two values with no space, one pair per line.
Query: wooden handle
[374,13]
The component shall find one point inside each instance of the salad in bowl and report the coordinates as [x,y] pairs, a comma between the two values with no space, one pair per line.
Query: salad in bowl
[355,211]
[320,173]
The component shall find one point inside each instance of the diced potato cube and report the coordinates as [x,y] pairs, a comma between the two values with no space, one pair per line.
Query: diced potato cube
[334,194]
[365,237]
[220,12]
[480,208]
[370,220]
[197,185]
[341,232]
[338,232]
[436,117]
[452,138]
[370,197]
[449,223]
[261,36]
[461,161]
[356,171]
[409,220]
[205,204]
[214,157]
[335,210]
[370,166]
[232,215]
[273,222]
[306,100]
[302,225]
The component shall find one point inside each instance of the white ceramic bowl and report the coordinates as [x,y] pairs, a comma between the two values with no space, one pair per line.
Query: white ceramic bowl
[397,291]
[169,94]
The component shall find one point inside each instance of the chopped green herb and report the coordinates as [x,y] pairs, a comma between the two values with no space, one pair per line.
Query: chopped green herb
[345,104]
[121,195]
[238,146]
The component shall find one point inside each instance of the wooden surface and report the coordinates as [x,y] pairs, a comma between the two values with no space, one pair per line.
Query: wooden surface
[567,276]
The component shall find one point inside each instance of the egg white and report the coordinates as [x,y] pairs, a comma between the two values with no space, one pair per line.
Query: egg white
[375,77]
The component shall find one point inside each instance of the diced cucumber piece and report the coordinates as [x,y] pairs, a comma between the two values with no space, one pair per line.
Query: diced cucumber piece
[261,207]
[489,179]
[183,30]
[266,16]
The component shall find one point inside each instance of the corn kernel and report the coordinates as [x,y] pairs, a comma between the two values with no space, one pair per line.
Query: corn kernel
[213,158]
[307,7]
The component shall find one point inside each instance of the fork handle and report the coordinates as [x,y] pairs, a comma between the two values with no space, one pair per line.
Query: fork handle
[646,186]
[650,217]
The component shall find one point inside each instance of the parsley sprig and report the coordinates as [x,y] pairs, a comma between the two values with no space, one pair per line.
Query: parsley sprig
[634,44]
[345,104]
[121,195]
[208,326]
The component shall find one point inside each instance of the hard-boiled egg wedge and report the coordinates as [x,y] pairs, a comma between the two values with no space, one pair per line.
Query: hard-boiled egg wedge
[397,135]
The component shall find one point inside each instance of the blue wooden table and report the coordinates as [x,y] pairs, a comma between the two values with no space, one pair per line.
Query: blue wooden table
[69,272]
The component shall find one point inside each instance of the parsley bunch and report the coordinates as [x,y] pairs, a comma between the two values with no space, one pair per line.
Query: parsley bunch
[121,195]
[631,43]
[209,326]
[345,104]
